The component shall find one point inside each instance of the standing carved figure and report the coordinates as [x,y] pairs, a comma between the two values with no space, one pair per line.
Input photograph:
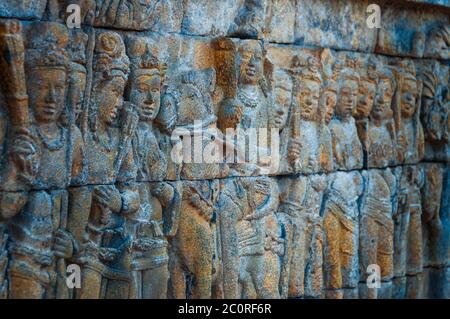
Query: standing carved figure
[381,137]
[159,201]
[377,230]
[410,138]
[40,242]
[106,269]
[261,202]
[366,98]
[340,220]
[347,149]
[408,252]
[247,108]
[305,120]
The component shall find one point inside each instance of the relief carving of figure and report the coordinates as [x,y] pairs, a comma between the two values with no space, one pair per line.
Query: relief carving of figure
[279,113]
[247,108]
[410,137]
[40,241]
[249,22]
[435,113]
[377,230]
[159,201]
[381,140]
[347,149]
[304,149]
[261,205]
[366,98]
[112,124]
[341,226]
[408,248]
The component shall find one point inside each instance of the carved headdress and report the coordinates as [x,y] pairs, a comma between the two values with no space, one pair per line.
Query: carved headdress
[110,57]
[142,57]
[47,46]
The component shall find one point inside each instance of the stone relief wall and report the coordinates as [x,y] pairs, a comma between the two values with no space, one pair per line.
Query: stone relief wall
[90,120]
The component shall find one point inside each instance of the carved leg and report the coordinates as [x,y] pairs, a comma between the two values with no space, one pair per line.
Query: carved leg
[154,283]
[368,253]
[25,288]
[332,260]
[91,284]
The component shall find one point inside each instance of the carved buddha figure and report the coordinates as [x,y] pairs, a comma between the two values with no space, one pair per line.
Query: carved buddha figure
[366,98]
[305,119]
[112,171]
[158,201]
[39,243]
[341,213]
[347,149]
[381,135]
[410,138]
[377,228]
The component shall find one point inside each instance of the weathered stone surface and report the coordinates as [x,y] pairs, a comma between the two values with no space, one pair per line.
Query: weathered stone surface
[116,153]
[340,25]
[28,9]
[415,31]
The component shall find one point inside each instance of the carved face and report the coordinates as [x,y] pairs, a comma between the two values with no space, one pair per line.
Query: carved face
[145,94]
[110,99]
[76,91]
[382,105]
[47,93]
[408,98]
[330,99]
[348,95]
[365,99]
[308,99]
[251,67]
[283,99]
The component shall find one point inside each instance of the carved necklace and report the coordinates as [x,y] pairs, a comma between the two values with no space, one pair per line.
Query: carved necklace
[249,99]
[55,144]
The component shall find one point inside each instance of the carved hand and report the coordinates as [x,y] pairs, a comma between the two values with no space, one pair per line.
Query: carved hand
[63,246]
[24,154]
[109,196]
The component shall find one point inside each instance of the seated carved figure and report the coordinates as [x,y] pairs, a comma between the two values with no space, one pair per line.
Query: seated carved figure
[340,221]
[347,149]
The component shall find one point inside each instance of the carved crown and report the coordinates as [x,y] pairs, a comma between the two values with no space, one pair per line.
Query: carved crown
[141,55]
[47,46]
[110,57]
